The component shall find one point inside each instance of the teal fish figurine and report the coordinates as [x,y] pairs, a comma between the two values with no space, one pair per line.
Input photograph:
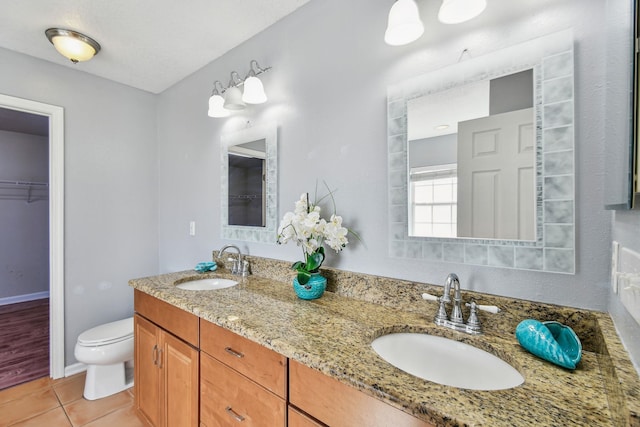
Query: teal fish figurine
[551,341]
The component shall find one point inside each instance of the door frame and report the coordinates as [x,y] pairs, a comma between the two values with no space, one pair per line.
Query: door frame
[56,223]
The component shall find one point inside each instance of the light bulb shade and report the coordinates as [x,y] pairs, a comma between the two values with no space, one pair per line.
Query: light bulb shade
[254,91]
[73,45]
[404,25]
[233,99]
[216,108]
[457,11]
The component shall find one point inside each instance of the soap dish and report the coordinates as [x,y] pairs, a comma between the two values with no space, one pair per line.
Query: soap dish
[551,341]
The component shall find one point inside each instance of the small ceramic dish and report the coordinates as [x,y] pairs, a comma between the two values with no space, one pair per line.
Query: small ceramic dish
[551,341]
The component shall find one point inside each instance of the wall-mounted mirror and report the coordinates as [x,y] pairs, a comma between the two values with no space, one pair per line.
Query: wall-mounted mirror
[480,160]
[249,184]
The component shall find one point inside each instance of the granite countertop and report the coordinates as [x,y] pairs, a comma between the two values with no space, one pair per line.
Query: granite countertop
[333,334]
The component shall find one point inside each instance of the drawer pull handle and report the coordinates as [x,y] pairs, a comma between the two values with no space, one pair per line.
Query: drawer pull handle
[233,352]
[234,414]
[155,355]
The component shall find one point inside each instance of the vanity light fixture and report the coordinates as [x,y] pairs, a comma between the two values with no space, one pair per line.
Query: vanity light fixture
[253,88]
[72,44]
[227,99]
[216,102]
[457,11]
[233,98]
[404,24]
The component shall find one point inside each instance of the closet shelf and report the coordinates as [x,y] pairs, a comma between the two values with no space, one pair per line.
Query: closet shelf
[29,191]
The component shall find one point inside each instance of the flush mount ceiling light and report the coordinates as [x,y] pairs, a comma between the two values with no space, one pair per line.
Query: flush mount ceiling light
[457,11]
[72,44]
[404,24]
[225,100]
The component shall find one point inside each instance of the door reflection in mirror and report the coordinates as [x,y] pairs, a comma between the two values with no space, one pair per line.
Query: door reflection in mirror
[471,159]
[247,202]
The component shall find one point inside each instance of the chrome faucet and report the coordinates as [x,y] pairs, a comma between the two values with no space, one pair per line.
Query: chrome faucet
[456,321]
[237,267]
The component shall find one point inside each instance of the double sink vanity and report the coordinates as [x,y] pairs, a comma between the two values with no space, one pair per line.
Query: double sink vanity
[255,354]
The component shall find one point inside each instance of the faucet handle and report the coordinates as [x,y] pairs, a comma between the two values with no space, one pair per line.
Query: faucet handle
[245,268]
[490,308]
[441,316]
[430,297]
[473,323]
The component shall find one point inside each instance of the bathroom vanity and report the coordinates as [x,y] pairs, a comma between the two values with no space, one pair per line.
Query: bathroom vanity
[269,358]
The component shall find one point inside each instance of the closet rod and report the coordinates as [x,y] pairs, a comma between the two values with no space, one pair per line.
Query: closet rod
[6,182]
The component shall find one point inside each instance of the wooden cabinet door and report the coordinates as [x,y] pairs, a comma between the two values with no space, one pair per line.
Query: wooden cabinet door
[340,405]
[180,375]
[229,399]
[147,377]
[166,376]
[262,365]
[298,419]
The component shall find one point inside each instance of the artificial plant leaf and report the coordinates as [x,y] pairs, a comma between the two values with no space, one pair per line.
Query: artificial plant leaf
[315,259]
[303,277]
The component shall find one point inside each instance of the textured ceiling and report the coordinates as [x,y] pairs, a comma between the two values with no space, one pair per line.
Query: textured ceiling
[146,44]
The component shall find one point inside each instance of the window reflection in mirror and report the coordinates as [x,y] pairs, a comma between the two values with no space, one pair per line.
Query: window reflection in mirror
[471,160]
[247,203]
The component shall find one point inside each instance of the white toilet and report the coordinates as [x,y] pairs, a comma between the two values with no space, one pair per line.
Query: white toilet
[107,350]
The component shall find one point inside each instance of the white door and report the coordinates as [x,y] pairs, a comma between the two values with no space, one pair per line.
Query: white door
[496,176]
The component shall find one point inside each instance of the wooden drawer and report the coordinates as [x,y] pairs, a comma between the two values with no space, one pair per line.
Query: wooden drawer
[298,419]
[264,366]
[173,319]
[229,399]
[336,404]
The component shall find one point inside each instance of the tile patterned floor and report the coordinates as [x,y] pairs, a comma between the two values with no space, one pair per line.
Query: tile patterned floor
[59,403]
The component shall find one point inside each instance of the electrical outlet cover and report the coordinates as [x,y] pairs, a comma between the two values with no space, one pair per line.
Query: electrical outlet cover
[629,281]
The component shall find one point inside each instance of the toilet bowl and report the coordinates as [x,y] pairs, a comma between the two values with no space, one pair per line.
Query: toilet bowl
[107,350]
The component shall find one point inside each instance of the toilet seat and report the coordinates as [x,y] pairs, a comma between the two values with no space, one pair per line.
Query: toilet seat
[108,333]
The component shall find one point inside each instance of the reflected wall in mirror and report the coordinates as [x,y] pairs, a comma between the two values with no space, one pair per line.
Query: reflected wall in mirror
[247,167]
[249,184]
[480,160]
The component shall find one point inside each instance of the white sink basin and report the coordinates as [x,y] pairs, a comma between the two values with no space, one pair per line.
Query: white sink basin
[446,361]
[206,284]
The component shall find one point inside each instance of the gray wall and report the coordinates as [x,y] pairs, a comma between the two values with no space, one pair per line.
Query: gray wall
[24,227]
[110,185]
[437,150]
[327,90]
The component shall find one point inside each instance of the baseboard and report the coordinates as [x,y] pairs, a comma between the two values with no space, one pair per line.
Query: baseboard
[24,298]
[76,368]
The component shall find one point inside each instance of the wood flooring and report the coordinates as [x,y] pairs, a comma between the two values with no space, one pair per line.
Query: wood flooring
[24,342]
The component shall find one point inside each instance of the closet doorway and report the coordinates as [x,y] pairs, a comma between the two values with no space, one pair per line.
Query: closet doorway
[12,110]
